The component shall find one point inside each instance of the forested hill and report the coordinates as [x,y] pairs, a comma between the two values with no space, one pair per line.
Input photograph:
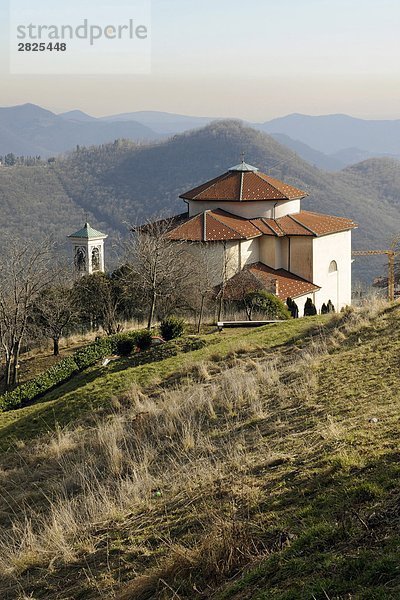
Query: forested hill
[124,183]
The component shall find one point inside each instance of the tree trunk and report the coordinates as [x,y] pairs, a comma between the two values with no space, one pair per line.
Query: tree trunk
[152,309]
[220,306]
[17,349]
[8,373]
[56,346]
[200,315]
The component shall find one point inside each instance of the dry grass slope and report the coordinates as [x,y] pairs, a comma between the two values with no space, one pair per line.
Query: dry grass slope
[273,474]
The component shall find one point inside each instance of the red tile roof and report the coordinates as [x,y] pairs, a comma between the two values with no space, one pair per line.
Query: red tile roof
[258,276]
[214,225]
[247,186]
[319,224]
[219,225]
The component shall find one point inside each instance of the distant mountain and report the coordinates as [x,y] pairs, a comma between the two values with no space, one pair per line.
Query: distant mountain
[162,122]
[318,159]
[352,156]
[124,183]
[333,133]
[329,142]
[77,115]
[31,130]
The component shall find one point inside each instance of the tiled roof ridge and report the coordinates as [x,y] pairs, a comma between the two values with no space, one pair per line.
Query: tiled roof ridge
[289,283]
[205,225]
[264,220]
[241,186]
[189,220]
[302,224]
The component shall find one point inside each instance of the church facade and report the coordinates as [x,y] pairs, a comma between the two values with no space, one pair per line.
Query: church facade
[255,235]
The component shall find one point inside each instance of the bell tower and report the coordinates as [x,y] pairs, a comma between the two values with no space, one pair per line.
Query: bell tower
[88,250]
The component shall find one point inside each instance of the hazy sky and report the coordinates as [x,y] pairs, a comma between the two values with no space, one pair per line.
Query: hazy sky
[253,59]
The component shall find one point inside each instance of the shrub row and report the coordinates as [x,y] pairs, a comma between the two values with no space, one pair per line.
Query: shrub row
[45,382]
[167,350]
[88,356]
[66,368]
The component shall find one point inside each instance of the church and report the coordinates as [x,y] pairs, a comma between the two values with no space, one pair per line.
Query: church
[256,236]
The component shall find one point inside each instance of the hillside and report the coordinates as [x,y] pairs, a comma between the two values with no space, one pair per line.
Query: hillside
[124,183]
[314,157]
[264,465]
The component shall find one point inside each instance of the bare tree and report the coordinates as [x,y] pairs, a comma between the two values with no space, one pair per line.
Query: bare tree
[200,282]
[25,271]
[227,264]
[99,301]
[157,263]
[53,312]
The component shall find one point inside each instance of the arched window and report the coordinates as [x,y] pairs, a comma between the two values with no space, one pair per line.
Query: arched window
[333,267]
[96,259]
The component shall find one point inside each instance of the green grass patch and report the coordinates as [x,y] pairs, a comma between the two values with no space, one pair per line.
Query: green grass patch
[91,392]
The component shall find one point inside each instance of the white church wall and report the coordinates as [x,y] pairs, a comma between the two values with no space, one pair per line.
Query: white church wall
[284,250]
[287,207]
[271,252]
[219,257]
[248,210]
[213,254]
[300,260]
[335,285]
[249,252]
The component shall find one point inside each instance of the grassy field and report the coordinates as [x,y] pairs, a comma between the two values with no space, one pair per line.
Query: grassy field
[92,392]
[264,466]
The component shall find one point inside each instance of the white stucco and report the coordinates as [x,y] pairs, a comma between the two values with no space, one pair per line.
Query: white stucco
[248,210]
[271,252]
[249,252]
[336,285]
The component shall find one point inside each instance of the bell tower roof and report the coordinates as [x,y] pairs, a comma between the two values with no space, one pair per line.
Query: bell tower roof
[88,233]
[243,167]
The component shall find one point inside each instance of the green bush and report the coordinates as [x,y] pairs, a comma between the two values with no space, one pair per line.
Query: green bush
[89,355]
[143,340]
[268,304]
[55,375]
[172,327]
[126,346]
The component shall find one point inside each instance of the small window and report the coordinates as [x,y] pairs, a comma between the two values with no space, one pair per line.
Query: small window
[333,267]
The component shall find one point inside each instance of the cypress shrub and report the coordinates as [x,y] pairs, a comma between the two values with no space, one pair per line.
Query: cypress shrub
[172,327]
[309,308]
